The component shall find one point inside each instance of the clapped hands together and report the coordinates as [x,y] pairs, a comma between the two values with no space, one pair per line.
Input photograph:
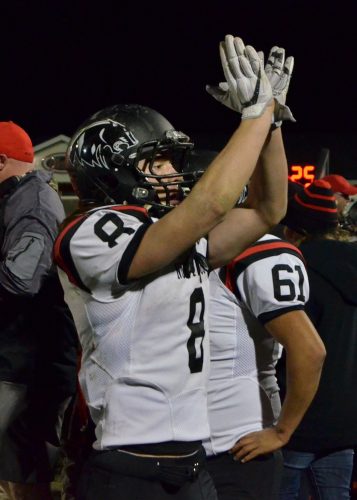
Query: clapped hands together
[249,86]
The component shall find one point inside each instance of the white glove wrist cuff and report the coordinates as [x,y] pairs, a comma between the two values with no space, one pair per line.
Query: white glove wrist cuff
[254,111]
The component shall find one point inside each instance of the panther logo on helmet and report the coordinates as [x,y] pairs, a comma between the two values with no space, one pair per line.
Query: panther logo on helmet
[94,148]
[125,142]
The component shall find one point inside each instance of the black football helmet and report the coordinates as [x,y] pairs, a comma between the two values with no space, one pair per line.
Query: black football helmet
[104,154]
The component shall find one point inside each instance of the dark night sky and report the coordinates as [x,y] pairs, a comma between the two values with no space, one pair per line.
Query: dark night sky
[61,61]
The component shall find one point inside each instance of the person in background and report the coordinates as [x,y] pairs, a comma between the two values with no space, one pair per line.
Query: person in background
[134,264]
[323,442]
[342,189]
[257,305]
[349,220]
[38,340]
[346,198]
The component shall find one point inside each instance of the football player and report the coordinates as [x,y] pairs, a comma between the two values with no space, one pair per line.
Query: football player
[137,279]
[256,306]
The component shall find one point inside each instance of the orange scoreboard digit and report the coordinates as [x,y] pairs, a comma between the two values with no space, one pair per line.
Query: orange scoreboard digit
[304,174]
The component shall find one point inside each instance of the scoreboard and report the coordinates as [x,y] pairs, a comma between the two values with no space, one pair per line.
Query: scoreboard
[307,172]
[303,174]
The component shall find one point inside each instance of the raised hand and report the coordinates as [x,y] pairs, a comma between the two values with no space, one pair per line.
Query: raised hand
[279,71]
[247,89]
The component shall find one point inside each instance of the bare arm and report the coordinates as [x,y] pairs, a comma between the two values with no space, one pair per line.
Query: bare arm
[265,207]
[305,354]
[208,203]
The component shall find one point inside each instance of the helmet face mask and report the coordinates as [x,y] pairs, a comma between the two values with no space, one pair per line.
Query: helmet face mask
[112,158]
[170,184]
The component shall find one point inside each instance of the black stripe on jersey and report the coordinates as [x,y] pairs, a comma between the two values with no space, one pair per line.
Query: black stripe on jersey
[253,254]
[129,253]
[222,273]
[268,316]
[276,242]
[242,265]
[65,253]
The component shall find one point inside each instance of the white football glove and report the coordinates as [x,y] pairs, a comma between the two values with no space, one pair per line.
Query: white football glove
[247,88]
[278,71]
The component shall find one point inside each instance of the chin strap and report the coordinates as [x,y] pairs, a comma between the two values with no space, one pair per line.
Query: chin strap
[158,211]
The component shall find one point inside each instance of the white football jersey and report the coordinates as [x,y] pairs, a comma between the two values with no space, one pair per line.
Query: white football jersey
[145,350]
[265,281]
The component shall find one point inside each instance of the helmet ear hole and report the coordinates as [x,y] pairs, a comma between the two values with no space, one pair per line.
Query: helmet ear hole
[118,159]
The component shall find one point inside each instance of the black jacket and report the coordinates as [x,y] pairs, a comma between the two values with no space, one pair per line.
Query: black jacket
[331,420]
[38,340]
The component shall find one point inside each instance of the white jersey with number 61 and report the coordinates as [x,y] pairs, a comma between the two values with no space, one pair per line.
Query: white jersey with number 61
[267,280]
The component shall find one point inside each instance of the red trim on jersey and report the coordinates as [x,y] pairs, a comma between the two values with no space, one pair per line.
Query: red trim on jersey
[265,246]
[228,281]
[124,208]
[56,249]
[252,251]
